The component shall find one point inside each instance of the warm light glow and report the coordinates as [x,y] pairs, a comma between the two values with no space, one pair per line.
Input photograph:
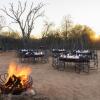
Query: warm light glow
[18,71]
[95,37]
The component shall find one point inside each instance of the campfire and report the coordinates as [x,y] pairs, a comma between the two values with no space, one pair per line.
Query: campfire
[16,81]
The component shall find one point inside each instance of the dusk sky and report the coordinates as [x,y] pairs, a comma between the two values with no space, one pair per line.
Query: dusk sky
[85,12]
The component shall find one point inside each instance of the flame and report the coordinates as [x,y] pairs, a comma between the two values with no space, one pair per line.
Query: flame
[18,71]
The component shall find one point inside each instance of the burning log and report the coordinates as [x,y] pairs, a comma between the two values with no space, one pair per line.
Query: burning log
[16,81]
[14,85]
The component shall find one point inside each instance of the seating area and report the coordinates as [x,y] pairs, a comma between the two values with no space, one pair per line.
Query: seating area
[80,59]
[30,55]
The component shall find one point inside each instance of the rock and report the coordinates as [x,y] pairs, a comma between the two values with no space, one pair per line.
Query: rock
[29,92]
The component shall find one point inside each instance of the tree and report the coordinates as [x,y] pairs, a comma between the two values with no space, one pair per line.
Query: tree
[92,37]
[46,31]
[47,27]
[23,17]
[82,36]
[2,22]
[66,25]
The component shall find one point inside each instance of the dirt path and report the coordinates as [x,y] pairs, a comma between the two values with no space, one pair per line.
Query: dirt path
[59,85]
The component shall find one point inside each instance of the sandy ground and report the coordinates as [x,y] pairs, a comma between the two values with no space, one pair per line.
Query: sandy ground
[59,85]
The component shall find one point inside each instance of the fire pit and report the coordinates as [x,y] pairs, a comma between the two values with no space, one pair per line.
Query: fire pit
[14,85]
[16,81]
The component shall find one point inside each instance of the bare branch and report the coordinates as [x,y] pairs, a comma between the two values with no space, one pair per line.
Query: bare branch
[22,10]
[12,10]
[26,24]
[27,18]
[5,11]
